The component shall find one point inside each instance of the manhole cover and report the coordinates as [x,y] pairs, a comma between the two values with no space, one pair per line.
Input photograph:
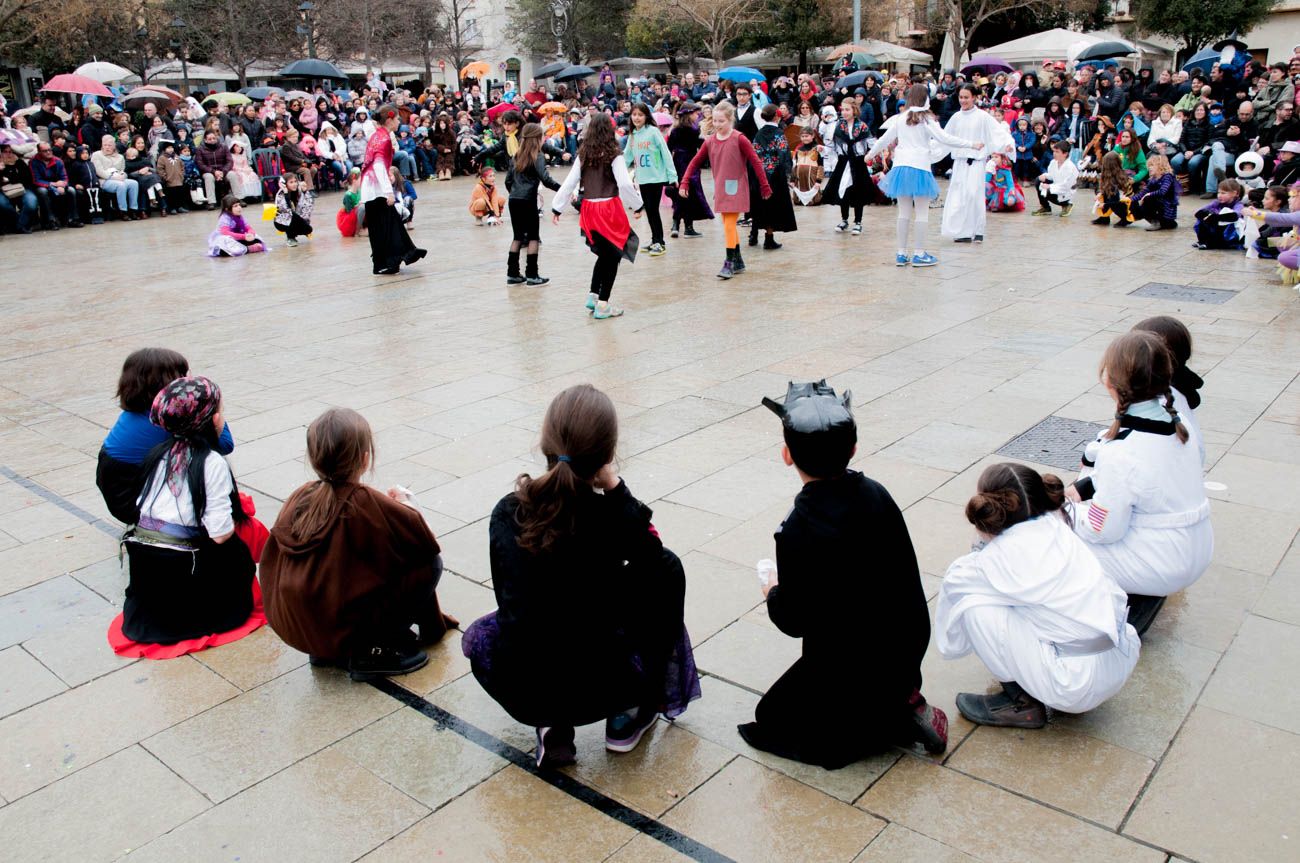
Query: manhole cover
[1056,441]
[1186,293]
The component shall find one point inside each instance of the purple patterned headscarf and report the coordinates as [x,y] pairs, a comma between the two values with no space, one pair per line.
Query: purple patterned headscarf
[184,408]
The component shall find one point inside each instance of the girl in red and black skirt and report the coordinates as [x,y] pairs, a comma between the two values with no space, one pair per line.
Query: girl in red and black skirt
[601,178]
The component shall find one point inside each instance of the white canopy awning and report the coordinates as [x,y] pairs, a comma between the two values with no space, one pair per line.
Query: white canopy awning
[1061,44]
[885,52]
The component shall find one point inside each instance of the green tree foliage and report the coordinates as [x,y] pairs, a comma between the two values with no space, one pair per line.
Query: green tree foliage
[591,28]
[798,26]
[1197,23]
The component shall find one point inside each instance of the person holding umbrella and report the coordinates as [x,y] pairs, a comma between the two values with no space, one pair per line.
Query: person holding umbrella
[390,244]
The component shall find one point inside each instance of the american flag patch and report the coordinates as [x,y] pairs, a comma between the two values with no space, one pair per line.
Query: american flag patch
[1097,516]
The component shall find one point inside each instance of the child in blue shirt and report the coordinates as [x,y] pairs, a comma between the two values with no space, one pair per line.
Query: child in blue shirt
[132,437]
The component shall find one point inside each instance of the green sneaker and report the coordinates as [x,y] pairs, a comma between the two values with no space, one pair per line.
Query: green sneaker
[606,310]
[591,302]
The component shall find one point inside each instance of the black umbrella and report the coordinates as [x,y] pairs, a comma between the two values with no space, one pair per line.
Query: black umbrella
[261,94]
[1105,51]
[854,80]
[1234,40]
[550,69]
[313,68]
[573,73]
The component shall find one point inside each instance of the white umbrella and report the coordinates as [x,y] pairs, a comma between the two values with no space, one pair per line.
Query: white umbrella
[102,71]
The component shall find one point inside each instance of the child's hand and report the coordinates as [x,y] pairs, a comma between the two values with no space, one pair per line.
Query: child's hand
[555,218]
[1072,494]
[684,191]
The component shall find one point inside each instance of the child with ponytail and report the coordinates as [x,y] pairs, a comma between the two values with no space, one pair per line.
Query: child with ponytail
[910,180]
[1030,582]
[349,568]
[589,623]
[1185,383]
[1140,501]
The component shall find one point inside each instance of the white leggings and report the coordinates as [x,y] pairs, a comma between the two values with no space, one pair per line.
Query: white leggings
[912,209]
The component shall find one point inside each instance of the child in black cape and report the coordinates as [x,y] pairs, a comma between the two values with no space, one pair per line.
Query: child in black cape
[849,586]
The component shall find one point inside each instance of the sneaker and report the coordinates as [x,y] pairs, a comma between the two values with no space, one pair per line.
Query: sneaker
[1066,209]
[591,302]
[536,280]
[745,222]
[691,232]
[857,229]
[291,242]
[1010,708]
[673,234]
[514,280]
[930,724]
[625,730]
[727,271]
[1201,246]
[1154,226]
[901,260]
[842,227]
[925,259]
[979,238]
[386,662]
[606,310]
[555,747]
[1042,211]
[655,250]
[964,239]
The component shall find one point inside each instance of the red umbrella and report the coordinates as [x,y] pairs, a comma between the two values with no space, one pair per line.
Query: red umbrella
[498,109]
[79,84]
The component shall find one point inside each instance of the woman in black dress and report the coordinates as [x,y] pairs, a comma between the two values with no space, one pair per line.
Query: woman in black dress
[776,212]
[684,142]
[390,244]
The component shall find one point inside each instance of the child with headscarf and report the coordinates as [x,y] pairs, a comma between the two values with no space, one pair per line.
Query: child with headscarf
[191,566]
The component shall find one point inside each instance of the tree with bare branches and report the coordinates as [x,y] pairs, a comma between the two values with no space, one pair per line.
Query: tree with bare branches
[961,18]
[723,21]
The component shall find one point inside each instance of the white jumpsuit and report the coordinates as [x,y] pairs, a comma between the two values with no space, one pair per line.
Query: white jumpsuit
[1036,608]
[1148,522]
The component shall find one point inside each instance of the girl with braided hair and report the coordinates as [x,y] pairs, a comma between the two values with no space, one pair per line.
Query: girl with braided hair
[1033,604]
[1140,501]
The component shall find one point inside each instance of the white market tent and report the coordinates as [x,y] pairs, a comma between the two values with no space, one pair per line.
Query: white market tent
[886,52]
[1061,44]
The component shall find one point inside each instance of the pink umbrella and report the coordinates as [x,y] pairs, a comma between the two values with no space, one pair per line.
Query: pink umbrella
[662,119]
[79,84]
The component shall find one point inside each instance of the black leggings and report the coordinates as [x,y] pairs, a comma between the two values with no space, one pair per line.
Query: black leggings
[524,221]
[651,197]
[297,227]
[605,270]
[857,212]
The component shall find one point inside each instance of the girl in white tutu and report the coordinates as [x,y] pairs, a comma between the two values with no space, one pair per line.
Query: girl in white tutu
[910,181]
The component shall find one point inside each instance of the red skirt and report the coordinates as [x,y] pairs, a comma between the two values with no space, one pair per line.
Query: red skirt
[608,218]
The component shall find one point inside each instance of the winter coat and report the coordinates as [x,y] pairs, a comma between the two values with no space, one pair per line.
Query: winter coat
[211,159]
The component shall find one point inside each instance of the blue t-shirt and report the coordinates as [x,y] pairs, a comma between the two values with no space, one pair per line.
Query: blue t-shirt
[133,436]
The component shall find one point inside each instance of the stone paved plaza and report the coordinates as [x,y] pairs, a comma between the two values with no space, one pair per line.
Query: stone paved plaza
[246,753]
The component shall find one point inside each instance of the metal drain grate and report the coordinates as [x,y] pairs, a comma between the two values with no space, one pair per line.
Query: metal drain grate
[1056,441]
[1186,293]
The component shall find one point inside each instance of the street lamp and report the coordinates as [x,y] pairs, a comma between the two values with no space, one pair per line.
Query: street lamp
[179,25]
[306,7]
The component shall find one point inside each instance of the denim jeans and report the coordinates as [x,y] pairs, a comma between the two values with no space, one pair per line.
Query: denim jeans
[23,210]
[1220,159]
[405,163]
[1192,167]
[127,192]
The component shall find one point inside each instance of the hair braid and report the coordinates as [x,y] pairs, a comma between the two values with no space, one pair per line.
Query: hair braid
[1179,428]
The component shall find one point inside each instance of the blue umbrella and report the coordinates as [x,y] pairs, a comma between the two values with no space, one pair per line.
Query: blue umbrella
[741,74]
[1202,61]
[1101,64]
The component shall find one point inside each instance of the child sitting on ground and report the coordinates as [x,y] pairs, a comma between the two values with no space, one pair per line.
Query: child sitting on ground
[1288,258]
[1113,193]
[293,206]
[486,203]
[1219,223]
[843,553]
[132,437]
[1002,194]
[1275,199]
[233,236]
[351,212]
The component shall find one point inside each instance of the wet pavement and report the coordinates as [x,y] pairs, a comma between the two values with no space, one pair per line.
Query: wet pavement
[247,753]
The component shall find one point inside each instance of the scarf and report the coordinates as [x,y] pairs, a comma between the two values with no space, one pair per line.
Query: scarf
[184,409]
[379,149]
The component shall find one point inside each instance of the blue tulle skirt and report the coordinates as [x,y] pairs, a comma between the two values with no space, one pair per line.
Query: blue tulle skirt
[902,181]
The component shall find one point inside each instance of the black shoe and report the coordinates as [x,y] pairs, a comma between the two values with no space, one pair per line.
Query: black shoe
[1122,223]
[24,230]
[75,225]
[1011,708]
[737,263]
[536,280]
[770,243]
[514,279]
[624,731]
[388,271]
[673,234]
[753,239]
[386,662]
[963,240]
[53,226]
[691,232]
[555,747]
[745,222]
[1142,611]
[1102,220]
[979,238]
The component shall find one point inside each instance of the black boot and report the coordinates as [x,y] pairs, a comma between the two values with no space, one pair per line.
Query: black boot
[690,231]
[1142,611]
[512,269]
[531,272]
[770,242]
[386,661]
[753,237]
[737,262]
[1012,708]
